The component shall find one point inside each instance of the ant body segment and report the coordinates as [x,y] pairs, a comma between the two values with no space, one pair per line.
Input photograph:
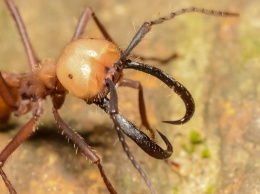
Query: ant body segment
[88,69]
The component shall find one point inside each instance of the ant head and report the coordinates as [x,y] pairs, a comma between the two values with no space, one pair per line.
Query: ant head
[83,67]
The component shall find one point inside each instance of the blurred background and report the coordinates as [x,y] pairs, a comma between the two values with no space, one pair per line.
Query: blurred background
[218,61]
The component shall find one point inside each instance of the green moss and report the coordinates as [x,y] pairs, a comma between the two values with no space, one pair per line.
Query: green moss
[126,181]
[176,190]
[195,138]
[188,149]
[252,48]
[205,153]
[196,141]
[210,190]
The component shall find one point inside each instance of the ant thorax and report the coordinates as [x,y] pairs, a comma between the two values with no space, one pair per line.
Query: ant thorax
[41,82]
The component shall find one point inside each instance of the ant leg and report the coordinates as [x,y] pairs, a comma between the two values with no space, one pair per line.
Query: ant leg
[102,28]
[137,85]
[19,138]
[177,87]
[8,184]
[143,141]
[6,94]
[161,61]
[146,27]
[58,100]
[105,105]
[85,148]
[23,33]
[140,138]
[84,18]
[132,159]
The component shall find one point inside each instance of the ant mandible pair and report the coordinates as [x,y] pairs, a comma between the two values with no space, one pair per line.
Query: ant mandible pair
[89,69]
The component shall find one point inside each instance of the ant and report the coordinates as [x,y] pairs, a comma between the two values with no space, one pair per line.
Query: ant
[90,69]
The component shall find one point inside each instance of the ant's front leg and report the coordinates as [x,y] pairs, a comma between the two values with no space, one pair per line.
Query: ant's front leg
[141,139]
[83,147]
[137,85]
[112,109]
[122,124]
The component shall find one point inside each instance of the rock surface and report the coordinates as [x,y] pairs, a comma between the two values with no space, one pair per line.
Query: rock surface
[218,61]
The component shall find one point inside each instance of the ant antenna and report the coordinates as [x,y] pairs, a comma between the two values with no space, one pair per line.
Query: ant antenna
[146,27]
